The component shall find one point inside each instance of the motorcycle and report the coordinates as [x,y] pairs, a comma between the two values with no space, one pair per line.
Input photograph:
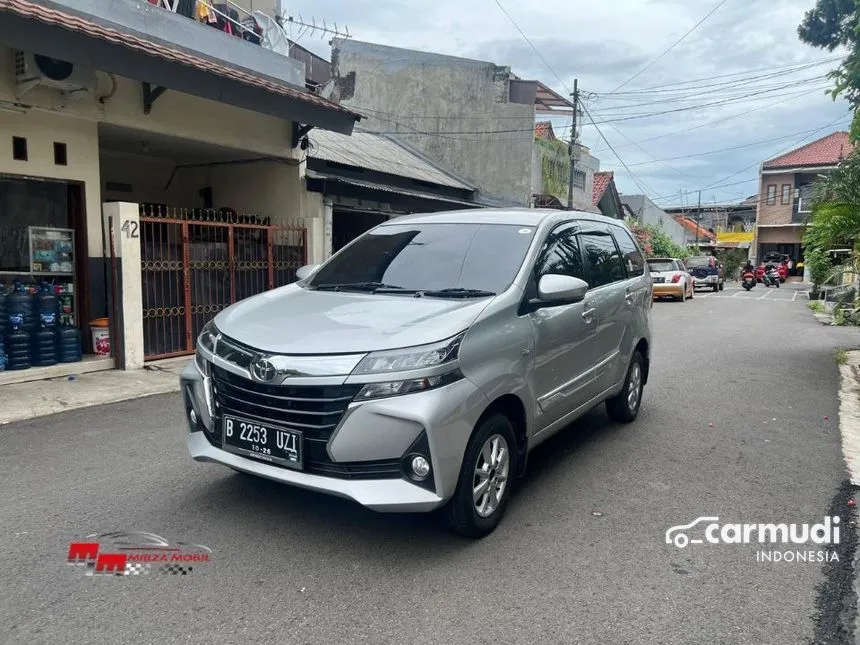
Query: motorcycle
[771,278]
[748,280]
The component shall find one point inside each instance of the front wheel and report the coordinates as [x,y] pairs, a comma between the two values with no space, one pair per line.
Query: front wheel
[715,288]
[484,486]
[624,406]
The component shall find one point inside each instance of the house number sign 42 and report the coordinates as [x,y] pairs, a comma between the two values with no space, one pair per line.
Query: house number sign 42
[130,228]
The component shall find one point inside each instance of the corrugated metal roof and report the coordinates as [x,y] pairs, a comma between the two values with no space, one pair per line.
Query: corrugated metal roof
[389,189]
[376,152]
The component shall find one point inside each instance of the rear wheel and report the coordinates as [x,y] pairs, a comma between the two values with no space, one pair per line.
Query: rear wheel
[722,285]
[624,406]
[484,486]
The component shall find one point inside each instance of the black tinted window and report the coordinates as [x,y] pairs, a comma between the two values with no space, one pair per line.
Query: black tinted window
[634,261]
[560,254]
[604,262]
[432,256]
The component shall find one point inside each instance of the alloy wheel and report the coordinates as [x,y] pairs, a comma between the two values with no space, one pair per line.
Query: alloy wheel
[634,387]
[491,475]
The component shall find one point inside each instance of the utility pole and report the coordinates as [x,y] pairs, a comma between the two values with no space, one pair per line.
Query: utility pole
[571,149]
[698,215]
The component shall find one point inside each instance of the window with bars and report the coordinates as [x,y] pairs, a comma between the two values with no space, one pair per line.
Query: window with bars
[579,179]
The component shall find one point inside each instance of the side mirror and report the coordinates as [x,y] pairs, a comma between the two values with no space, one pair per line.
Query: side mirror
[556,288]
[305,271]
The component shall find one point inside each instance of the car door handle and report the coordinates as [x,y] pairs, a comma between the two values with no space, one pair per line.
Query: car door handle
[629,298]
[588,314]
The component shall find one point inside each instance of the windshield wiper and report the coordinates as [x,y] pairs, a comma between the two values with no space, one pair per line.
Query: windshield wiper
[372,287]
[458,293]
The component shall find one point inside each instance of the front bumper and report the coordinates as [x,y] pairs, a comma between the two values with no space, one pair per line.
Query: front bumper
[369,432]
[670,289]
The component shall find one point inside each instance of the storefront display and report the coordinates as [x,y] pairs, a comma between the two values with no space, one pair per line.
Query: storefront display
[37,309]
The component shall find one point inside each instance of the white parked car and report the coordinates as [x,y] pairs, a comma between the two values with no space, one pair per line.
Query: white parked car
[671,279]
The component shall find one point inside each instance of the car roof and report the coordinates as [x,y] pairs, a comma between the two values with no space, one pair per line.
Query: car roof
[515,216]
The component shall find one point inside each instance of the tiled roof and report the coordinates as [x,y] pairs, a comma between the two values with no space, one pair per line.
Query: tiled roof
[376,152]
[827,151]
[34,11]
[692,227]
[543,130]
[601,183]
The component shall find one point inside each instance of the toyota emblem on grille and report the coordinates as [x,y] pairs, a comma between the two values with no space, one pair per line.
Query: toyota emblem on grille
[264,370]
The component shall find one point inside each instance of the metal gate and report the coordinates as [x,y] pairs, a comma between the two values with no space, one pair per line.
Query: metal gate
[195,263]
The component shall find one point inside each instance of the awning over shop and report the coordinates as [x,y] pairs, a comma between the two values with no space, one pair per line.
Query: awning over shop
[735,237]
[140,41]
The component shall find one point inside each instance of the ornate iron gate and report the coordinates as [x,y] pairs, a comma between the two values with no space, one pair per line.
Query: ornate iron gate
[195,263]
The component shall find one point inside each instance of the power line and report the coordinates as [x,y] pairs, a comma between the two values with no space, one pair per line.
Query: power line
[783,99]
[779,70]
[672,46]
[633,177]
[718,184]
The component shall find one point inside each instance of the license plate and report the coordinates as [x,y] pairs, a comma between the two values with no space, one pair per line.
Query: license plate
[262,441]
[659,280]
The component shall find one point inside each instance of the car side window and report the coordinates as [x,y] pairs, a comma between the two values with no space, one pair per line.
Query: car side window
[681,266]
[560,255]
[634,261]
[604,261]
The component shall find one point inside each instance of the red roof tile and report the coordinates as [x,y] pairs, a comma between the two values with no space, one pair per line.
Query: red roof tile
[692,227]
[601,183]
[827,151]
[32,10]
[543,130]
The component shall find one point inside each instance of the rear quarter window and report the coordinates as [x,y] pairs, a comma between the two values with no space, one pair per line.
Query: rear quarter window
[633,259]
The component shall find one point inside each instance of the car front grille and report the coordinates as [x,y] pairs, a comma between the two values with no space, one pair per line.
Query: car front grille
[701,273]
[313,410]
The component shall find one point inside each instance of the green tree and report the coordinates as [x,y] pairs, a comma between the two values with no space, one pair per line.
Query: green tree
[835,219]
[831,24]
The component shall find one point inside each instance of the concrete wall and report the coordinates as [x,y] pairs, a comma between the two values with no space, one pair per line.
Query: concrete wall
[778,213]
[648,212]
[780,235]
[447,99]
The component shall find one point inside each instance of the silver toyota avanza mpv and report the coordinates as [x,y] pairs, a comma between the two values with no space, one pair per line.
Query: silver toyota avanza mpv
[418,366]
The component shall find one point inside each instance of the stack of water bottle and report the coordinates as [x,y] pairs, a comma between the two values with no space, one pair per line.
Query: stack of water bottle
[29,334]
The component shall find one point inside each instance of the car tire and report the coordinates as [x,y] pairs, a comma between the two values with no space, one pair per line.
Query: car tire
[683,296]
[722,285]
[624,406]
[715,288]
[464,516]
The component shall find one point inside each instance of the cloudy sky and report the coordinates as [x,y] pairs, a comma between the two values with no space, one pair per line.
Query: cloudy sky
[741,81]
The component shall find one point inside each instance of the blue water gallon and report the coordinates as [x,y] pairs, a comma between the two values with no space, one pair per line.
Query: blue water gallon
[43,341]
[4,317]
[46,301]
[20,303]
[68,344]
[17,346]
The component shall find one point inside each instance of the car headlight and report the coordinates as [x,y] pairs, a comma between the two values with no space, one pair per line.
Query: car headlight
[409,386]
[411,358]
[203,366]
[208,336]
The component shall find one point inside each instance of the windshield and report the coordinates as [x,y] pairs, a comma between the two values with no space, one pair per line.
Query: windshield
[702,262]
[661,265]
[431,257]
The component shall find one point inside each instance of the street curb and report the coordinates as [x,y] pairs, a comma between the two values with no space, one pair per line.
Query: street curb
[849,414]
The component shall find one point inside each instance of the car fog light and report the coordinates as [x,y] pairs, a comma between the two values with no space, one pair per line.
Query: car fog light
[420,467]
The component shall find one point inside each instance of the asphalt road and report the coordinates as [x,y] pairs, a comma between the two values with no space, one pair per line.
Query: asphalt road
[739,421]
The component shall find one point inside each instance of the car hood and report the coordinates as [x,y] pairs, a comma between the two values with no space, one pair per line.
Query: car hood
[293,320]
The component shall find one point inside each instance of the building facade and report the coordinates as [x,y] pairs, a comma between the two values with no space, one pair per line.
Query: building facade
[474,117]
[647,212]
[197,132]
[786,191]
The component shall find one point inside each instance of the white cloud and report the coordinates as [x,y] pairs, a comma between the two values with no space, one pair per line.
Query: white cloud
[603,44]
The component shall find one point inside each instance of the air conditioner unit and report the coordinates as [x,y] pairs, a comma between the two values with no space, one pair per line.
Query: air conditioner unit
[34,70]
